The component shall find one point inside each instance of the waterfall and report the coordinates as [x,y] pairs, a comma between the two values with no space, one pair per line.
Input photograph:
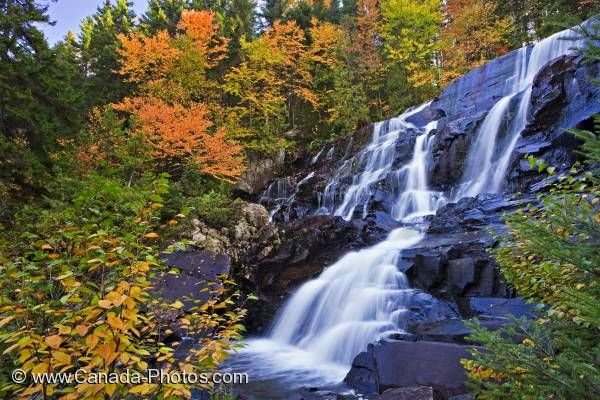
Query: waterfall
[415,199]
[330,319]
[370,166]
[281,194]
[490,154]
[337,314]
[363,296]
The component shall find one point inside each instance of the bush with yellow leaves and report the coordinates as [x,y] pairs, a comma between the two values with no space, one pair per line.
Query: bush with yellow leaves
[75,293]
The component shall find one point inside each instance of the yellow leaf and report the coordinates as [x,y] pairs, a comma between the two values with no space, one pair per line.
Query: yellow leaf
[62,358]
[64,330]
[6,320]
[94,260]
[114,321]
[91,341]
[151,235]
[105,304]
[177,304]
[144,388]
[53,341]
[110,388]
[81,329]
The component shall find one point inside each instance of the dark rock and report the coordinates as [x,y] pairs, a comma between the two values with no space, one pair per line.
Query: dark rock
[461,397]
[452,330]
[461,273]
[410,393]
[498,307]
[196,269]
[306,247]
[405,364]
[428,269]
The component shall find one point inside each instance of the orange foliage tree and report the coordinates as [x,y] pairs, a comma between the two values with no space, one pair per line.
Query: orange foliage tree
[366,53]
[177,101]
[473,36]
[272,81]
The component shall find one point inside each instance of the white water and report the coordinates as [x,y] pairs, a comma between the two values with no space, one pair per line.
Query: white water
[281,194]
[370,166]
[362,297]
[332,318]
[416,199]
[491,152]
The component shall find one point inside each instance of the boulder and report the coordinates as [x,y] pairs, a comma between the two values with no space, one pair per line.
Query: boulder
[410,393]
[498,307]
[461,273]
[401,364]
[196,269]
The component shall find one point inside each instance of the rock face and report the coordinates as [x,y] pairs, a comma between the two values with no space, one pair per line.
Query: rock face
[456,277]
[562,97]
[393,364]
[410,393]
[305,248]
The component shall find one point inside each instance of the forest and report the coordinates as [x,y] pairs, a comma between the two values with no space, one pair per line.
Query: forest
[122,138]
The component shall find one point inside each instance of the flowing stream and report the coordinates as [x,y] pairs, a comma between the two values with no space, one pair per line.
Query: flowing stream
[362,297]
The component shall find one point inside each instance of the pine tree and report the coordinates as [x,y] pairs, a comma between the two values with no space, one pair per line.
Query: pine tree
[99,44]
[551,256]
[163,15]
[40,96]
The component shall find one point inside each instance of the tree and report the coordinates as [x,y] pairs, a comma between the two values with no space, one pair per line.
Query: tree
[535,19]
[177,133]
[163,15]
[472,36]
[175,104]
[272,84]
[40,95]
[341,102]
[366,50]
[410,31]
[99,56]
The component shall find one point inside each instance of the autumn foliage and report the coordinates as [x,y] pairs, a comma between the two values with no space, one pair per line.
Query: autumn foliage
[166,110]
[177,133]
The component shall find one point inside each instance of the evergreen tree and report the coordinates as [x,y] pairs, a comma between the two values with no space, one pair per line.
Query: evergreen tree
[40,96]
[551,257]
[99,46]
[163,14]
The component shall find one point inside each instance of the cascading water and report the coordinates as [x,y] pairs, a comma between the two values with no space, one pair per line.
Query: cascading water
[416,199]
[337,314]
[281,194]
[490,154]
[373,164]
[332,318]
[362,297]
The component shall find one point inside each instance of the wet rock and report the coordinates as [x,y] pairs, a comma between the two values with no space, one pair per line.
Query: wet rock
[461,273]
[402,364]
[260,172]
[410,393]
[196,268]
[428,269]
[453,330]
[563,96]
[305,247]
[498,307]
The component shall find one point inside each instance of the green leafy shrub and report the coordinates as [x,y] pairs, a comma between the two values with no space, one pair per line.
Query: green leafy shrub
[214,208]
[551,256]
